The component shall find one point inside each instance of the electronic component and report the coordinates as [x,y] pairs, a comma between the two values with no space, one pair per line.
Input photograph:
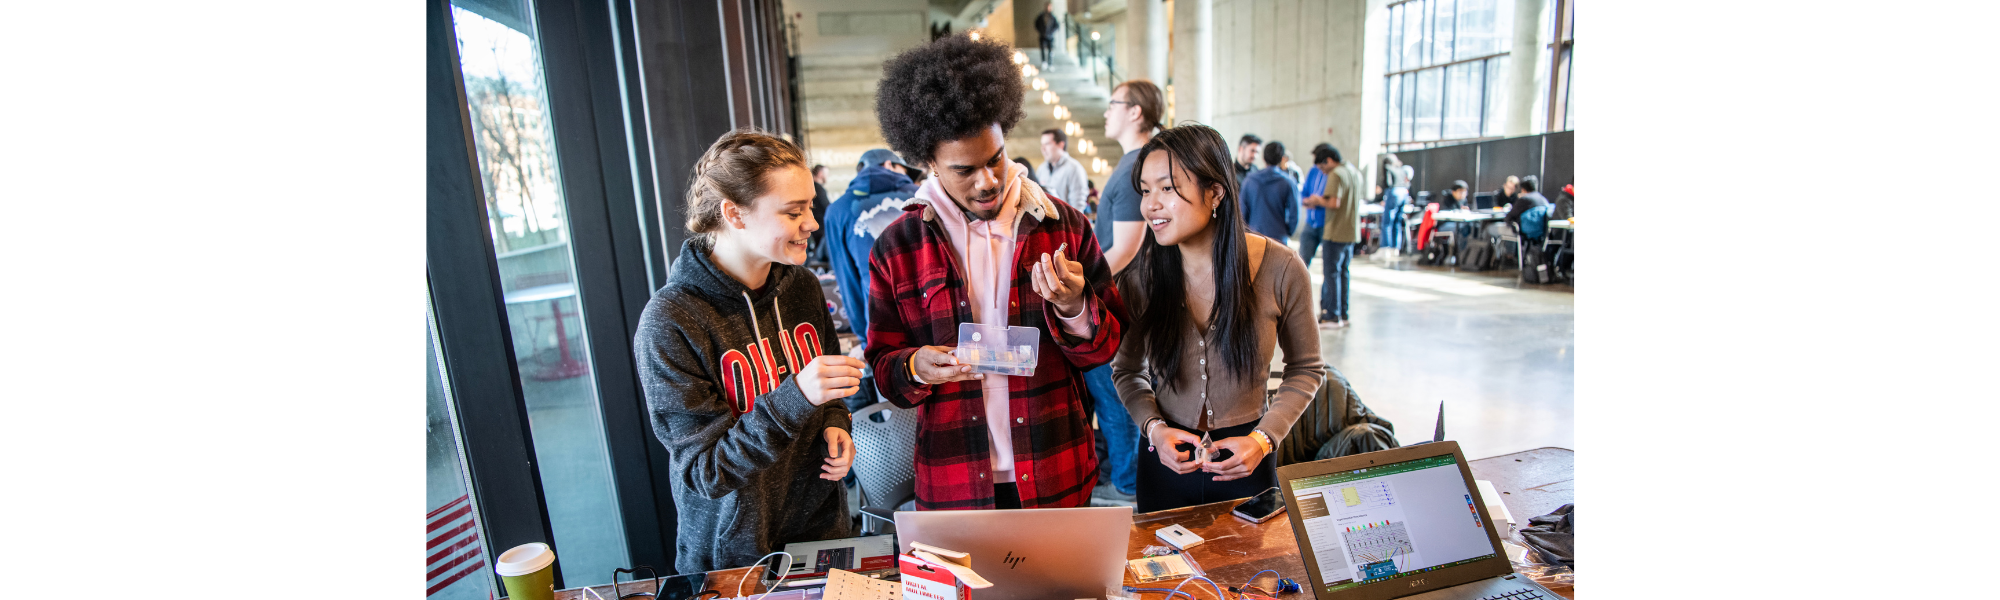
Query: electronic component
[1178,537]
[1156,568]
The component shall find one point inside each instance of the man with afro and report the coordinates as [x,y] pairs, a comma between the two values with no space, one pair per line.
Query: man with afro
[981,244]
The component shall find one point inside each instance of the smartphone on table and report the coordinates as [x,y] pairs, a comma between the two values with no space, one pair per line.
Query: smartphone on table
[1262,507]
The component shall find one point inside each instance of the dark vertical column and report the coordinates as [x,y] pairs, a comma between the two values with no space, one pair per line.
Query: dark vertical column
[682,73]
[471,315]
[737,63]
[609,250]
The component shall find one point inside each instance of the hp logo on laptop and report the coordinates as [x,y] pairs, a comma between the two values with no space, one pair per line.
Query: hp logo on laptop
[1013,561]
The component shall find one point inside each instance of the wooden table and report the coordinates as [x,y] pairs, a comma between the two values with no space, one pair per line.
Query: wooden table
[1531,483]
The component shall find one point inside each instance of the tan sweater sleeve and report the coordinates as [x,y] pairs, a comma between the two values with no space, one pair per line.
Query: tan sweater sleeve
[1128,371]
[1298,338]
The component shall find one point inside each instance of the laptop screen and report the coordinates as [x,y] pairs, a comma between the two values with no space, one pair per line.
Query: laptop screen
[1483,201]
[1369,526]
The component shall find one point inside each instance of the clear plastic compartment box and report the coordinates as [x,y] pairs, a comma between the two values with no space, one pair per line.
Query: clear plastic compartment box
[998,350]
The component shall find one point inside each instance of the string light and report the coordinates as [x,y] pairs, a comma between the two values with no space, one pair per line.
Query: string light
[1020,58]
[1048,97]
[1072,128]
[1040,84]
[975,35]
[1093,36]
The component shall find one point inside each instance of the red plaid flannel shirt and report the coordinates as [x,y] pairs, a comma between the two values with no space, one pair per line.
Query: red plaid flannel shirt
[917,297]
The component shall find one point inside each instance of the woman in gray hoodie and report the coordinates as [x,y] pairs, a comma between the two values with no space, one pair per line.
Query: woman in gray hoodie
[741,368]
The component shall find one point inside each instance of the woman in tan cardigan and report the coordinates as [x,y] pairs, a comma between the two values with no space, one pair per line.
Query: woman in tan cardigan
[1213,301]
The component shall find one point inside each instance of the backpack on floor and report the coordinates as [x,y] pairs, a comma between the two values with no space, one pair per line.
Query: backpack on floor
[1476,256]
[1535,268]
[1434,254]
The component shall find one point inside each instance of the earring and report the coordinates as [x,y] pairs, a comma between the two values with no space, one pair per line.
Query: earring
[1212,209]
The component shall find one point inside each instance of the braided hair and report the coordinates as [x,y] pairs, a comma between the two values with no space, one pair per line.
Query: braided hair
[734,169]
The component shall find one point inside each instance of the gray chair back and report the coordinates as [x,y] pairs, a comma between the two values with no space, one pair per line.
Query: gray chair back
[886,457]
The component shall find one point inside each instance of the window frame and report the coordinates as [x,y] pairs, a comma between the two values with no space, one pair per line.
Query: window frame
[471,318]
[1400,133]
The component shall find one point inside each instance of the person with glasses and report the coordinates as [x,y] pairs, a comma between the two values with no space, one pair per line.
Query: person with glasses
[1133,115]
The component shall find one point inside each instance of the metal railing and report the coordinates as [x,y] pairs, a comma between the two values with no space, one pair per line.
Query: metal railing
[1090,54]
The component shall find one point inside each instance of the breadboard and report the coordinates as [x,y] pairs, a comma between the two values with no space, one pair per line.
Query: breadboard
[844,585]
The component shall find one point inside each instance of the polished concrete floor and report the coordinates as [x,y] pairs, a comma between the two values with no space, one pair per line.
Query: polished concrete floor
[1500,355]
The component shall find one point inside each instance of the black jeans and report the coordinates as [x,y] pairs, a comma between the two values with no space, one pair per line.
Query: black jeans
[1333,284]
[1160,488]
[1047,43]
[1309,243]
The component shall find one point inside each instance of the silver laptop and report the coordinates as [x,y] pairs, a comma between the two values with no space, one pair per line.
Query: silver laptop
[1399,523]
[1031,553]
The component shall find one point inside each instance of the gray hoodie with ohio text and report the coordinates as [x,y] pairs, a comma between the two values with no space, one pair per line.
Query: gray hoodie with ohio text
[717,361]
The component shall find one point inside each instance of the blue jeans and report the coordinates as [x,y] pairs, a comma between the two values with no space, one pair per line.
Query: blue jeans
[1121,437]
[1392,217]
[1333,288]
[1309,243]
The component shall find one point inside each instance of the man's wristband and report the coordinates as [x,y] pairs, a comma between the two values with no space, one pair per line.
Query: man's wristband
[913,370]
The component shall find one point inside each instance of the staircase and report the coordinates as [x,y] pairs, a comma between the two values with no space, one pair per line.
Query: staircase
[838,96]
[1086,101]
[837,92]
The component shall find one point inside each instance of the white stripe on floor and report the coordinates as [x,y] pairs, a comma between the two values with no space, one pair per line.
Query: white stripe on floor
[1430,281]
[1383,291]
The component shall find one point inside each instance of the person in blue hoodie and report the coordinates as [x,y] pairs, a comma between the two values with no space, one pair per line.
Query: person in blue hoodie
[1271,198]
[1310,190]
[873,200]
[740,367]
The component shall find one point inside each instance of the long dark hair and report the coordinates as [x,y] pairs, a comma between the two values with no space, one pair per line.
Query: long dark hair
[1157,283]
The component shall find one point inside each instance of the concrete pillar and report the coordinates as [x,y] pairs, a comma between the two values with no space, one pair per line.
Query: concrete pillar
[1194,61]
[1526,77]
[999,24]
[1142,41]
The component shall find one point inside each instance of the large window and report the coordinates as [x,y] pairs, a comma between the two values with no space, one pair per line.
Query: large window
[527,217]
[456,560]
[1447,69]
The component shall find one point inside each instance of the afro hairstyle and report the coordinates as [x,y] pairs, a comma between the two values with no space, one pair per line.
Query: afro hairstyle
[946,90]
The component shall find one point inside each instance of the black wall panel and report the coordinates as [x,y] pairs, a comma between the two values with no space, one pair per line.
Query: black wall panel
[1559,163]
[1445,164]
[1512,156]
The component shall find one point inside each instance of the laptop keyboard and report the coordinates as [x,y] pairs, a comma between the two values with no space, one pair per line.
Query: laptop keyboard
[1517,595]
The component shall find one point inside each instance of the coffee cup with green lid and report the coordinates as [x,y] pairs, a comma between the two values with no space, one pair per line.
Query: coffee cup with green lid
[527,573]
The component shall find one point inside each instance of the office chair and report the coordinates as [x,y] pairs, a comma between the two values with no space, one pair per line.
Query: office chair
[1511,233]
[887,469]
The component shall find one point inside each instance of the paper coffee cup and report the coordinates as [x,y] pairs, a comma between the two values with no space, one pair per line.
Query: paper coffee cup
[526,572]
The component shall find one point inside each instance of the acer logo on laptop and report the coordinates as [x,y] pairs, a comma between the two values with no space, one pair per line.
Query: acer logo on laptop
[1416,583]
[1013,561]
